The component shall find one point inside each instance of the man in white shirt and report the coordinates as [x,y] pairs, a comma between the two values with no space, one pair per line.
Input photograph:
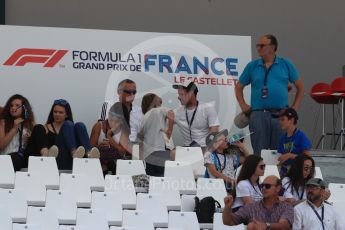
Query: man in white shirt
[126,91]
[314,213]
[195,120]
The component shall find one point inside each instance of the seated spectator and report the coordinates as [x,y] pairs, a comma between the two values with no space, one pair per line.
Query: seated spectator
[247,188]
[315,213]
[155,134]
[17,121]
[71,138]
[294,183]
[268,213]
[293,142]
[111,137]
[222,159]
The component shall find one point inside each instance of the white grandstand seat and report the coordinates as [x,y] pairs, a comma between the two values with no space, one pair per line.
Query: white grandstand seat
[124,189]
[138,219]
[15,202]
[270,170]
[337,192]
[92,169]
[184,220]
[218,223]
[26,227]
[32,186]
[339,207]
[130,167]
[124,228]
[183,172]
[92,219]
[167,187]
[211,187]
[318,173]
[47,169]
[238,171]
[72,227]
[42,217]
[7,174]
[154,204]
[78,186]
[270,157]
[110,205]
[194,156]
[5,218]
[187,203]
[64,204]
[135,152]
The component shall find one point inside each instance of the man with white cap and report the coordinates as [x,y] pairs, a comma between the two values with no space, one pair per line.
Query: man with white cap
[194,119]
[314,213]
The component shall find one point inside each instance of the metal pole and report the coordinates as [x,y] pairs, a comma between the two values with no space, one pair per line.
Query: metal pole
[2,12]
[323,126]
[342,133]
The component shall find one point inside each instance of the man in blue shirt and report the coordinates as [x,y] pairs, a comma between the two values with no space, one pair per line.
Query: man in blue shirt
[269,77]
[293,142]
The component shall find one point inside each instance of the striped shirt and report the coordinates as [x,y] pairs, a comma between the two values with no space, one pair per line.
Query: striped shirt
[258,211]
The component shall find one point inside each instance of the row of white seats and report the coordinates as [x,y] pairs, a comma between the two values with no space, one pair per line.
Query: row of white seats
[75,192]
[42,219]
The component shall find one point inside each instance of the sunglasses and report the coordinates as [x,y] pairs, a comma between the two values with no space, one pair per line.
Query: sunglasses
[267,186]
[60,102]
[262,45]
[262,167]
[127,91]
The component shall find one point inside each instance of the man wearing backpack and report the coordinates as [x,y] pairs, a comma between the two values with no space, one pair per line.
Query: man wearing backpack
[269,213]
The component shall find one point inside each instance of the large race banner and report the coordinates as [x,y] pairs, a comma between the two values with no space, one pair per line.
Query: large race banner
[85,66]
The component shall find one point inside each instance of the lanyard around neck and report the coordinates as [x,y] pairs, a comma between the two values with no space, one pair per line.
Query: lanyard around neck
[224,163]
[267,71]
[317,214]
[20,149]
[192,119]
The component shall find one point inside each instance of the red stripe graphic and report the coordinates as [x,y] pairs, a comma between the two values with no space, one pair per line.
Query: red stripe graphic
[50,57]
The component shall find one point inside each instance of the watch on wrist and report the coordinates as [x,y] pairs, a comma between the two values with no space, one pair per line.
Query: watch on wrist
[268,226]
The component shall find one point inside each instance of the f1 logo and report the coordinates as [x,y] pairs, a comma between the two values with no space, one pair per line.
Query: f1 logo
[49,57]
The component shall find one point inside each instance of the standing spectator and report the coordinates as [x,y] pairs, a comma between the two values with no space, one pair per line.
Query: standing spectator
[126,91]
[269,77]
[155,134]
[195,120]
[222,159]
[247,188]
[314,213]
[293,142]
[16,124]
[268,213]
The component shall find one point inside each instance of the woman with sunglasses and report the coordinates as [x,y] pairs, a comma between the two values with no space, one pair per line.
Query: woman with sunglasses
[111,137]
[247,189]
[17,121]
[300,172]
[155,134]
[71,138]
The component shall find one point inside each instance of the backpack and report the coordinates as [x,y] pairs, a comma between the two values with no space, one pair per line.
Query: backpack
[205,209]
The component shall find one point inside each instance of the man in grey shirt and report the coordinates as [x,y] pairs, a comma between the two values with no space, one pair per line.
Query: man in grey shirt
[269,213]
